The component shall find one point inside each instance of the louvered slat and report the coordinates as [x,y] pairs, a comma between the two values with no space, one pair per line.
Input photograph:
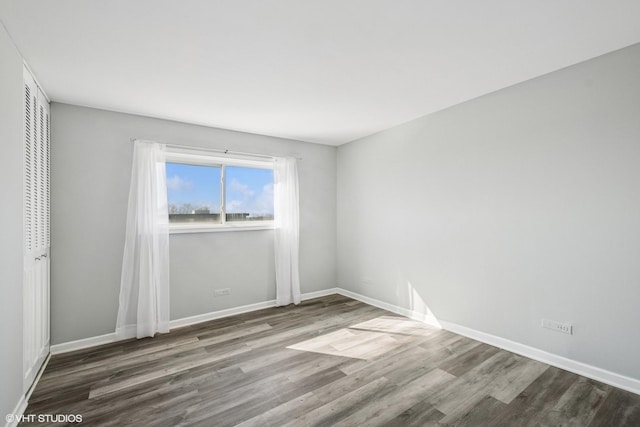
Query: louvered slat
[43,185]
[28,175]
[48,180]
[36,178]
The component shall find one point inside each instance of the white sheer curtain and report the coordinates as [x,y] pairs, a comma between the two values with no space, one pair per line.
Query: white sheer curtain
[287,230]
[144,285]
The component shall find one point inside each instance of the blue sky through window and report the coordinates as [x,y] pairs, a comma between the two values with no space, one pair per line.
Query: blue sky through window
[193,187]
[248,190]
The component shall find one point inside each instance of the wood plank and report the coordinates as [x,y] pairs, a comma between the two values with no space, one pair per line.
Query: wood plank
[537,399]
[422,414]
[484,413]
[331,412]
[389,406]
[621,408]
[111,385]
[460,364]
[579,404]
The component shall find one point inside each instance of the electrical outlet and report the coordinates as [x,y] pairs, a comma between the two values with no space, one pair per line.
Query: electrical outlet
[220,292]
[565,328]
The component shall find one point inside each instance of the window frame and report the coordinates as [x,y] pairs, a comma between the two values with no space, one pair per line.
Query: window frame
[221,160]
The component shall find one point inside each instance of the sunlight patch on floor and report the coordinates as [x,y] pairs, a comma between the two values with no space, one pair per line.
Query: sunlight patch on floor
[366,340]
[396,325]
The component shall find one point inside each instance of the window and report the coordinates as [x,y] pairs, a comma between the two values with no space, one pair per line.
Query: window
[208,192]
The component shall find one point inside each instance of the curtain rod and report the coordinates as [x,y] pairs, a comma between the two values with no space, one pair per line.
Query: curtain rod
[216,150]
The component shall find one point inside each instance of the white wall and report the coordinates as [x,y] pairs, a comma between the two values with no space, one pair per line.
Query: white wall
[519,205]
[91,169]
[11,220]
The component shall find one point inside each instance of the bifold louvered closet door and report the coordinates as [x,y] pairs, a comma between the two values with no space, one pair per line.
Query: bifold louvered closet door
[36,229]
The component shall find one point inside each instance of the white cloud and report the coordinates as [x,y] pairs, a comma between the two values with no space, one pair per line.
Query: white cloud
[243,189]
[248,201]
[175,183]
[263,203]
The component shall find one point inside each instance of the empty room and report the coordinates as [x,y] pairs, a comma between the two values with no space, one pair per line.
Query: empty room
[320,213]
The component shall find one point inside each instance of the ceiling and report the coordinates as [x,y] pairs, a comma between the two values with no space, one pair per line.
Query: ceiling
[326,71]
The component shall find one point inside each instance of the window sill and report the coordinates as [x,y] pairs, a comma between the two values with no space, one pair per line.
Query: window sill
[218,228]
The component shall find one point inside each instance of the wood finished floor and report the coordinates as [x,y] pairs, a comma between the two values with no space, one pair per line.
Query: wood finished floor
[330,361]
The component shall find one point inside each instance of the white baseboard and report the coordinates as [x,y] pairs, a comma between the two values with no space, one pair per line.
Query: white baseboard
[186,321]
[192,320]
[318,294]
[35,381]
[17,413]
[21,406]
[178,323]
[589,371]
[83,343]
[427,318]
